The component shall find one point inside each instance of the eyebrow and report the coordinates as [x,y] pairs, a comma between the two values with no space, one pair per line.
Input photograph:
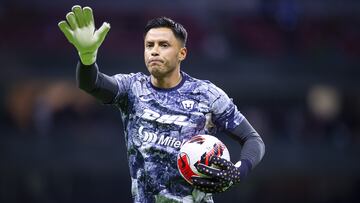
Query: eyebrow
[161,41]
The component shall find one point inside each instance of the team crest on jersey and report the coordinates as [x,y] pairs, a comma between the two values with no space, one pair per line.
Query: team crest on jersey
[188,104]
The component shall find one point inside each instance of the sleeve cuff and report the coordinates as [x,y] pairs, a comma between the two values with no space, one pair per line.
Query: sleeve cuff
[244,166]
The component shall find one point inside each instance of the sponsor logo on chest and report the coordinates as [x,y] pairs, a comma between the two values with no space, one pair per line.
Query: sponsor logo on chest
[151,137]
[179,120]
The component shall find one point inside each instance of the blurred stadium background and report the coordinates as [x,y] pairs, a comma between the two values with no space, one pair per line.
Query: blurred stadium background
[292,67]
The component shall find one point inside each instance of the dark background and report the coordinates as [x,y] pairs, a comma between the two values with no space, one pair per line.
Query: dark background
[291,66]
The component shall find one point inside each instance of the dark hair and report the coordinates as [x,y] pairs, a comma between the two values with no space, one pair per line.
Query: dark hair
[178,30]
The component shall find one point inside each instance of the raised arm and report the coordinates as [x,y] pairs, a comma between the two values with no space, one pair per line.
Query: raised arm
[79,29]
[99,85]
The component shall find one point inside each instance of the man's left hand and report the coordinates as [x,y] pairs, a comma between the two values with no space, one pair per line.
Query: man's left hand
[219,179]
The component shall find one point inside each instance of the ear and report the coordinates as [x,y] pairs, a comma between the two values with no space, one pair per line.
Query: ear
[182,53]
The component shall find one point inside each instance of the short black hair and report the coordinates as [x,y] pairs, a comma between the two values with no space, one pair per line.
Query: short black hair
[178,30]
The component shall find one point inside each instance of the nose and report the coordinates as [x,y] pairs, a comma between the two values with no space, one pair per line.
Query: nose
[155,51]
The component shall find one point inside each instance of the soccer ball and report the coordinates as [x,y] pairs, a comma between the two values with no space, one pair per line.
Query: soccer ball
[198,150]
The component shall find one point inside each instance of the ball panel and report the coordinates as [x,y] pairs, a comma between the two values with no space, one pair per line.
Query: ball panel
[184,167]
[198,150]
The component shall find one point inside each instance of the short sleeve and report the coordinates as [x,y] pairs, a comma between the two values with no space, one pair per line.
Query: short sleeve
[124,82]
[225,114]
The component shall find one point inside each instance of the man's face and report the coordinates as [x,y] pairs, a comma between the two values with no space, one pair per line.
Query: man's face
[163,52]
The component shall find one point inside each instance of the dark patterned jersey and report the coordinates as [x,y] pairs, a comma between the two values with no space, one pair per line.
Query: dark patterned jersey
[158,121]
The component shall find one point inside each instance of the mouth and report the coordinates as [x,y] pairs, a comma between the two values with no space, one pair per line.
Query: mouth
[155,61]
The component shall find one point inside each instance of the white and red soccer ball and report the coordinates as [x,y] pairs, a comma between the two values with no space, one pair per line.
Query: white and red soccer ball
[198,150]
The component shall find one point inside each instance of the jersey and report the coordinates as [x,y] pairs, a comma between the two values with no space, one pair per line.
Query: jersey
[158,121]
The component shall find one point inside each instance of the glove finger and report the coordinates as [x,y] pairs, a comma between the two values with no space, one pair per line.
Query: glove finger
[79,16]
[205,189]
[102,32]
[218,149]
[207,170]
[88,16]
[218,189]
[205,158]
[220,162]
[210,187]
[214,172]
[204,182]
[210,184]
[70,17]
[65,28]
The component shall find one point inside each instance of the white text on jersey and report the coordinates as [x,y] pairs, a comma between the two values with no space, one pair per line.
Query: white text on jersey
[162,140]
[180,120]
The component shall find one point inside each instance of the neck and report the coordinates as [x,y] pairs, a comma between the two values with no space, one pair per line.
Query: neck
[166,82]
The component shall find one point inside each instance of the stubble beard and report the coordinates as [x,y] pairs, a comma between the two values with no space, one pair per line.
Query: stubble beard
[160,72]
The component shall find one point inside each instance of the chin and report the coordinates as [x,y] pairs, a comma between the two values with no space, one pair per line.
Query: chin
[156,71]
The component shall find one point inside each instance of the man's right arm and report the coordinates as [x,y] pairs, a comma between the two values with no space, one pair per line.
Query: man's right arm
[79,30]
[99,85]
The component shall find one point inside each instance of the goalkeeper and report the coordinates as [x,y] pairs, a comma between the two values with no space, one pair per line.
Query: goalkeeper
[162,110]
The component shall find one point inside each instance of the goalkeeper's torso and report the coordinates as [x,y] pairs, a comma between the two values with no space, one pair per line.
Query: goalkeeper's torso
[157,122]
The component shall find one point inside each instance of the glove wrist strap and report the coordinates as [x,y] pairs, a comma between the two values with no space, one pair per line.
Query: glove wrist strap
[88,58]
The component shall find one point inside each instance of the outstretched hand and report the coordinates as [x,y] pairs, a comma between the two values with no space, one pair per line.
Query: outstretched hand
[79,29]
[219,179]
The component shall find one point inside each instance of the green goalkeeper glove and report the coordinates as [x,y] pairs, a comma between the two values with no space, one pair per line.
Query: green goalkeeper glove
[79,29]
